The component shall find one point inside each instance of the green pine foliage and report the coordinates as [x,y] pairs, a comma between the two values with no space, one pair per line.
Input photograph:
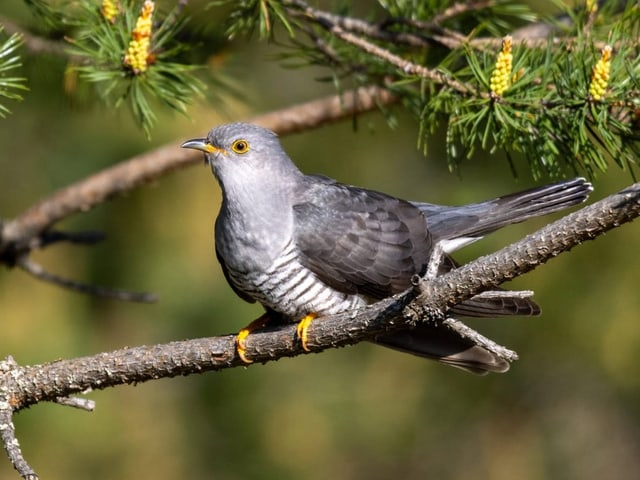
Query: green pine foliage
[548,115]
[10,86]
[437,56]
[101,44]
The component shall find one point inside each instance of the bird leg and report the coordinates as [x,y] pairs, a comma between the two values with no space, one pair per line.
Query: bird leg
[301,329]
[435,260]
[241,338]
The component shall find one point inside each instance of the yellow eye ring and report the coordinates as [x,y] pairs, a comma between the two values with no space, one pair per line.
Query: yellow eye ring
[240,146]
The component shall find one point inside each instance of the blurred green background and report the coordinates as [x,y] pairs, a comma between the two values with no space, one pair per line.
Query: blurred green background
[569,409]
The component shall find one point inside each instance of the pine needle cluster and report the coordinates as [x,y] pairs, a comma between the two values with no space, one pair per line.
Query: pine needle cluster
[563,92]
[572,102]
[565,99]
[126,49]
[10,86]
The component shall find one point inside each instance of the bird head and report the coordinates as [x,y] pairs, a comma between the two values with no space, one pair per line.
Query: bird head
[238,150]
[257,178]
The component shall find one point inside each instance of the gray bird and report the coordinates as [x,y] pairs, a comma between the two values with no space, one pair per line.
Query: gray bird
[306,245]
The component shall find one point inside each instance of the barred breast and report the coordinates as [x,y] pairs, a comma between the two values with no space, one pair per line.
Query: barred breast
[291,289]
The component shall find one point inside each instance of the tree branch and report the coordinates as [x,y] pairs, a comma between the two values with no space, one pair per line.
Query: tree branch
[35,44]
[21,387]
[37,271]
[24,233]
[342,28]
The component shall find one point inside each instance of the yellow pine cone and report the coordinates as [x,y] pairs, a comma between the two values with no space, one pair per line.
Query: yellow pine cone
[600,75]
[138,51]
[501,76]
[110,10]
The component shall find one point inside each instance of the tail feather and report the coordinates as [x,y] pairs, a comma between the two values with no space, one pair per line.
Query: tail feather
[499,306]
[438,342]
[467,223]
[502,304]
[458,226]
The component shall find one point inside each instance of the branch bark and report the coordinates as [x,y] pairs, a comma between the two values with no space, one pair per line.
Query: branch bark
[138,364]
[21,387]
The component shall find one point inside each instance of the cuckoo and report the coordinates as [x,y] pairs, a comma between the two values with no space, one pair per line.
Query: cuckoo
[306,246]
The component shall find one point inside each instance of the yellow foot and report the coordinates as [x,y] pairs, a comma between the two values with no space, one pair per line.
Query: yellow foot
[301,329]
[241,338]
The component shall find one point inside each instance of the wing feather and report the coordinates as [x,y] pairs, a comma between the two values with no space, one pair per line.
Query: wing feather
[358,240]
[365,242]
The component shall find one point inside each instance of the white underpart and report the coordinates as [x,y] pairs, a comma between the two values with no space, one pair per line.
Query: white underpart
[289,288]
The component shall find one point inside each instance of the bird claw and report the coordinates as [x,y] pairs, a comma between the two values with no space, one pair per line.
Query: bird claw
[241,337]
[241,345]
[301,330]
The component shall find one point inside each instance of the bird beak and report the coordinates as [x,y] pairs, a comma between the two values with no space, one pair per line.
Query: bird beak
[200,144]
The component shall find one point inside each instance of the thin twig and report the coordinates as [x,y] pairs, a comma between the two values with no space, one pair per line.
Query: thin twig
[458,9]
[40,273]
[35,44]
[356,25]
[405,66]
[11,444]
[87,237]
[435,260]
[77,402]
[505,294]
[467,332]
[341,27]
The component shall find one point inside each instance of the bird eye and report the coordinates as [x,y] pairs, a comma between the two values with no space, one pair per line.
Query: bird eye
[240,146]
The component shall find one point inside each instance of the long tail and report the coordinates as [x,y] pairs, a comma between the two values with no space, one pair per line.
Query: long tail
[459,226]
[438,342]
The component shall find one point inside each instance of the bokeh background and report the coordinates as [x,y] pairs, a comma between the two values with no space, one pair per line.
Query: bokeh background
[569,409]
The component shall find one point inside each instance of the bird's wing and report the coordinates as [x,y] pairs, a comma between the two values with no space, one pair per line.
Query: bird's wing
[357,240]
